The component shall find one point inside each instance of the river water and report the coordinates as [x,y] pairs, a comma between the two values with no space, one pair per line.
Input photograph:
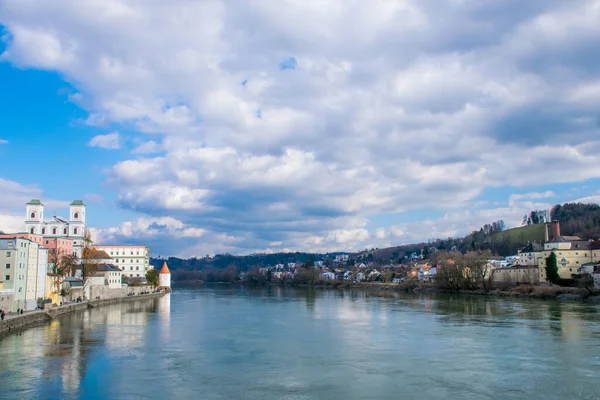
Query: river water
[275,343]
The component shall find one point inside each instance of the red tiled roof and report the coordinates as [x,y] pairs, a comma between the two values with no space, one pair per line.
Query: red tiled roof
[165,269]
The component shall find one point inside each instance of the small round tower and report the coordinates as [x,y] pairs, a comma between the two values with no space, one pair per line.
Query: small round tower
[164,276]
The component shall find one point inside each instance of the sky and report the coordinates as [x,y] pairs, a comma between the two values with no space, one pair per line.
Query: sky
[204,127]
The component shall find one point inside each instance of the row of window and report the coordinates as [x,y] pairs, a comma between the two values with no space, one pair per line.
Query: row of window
[125,261]
[33,214]
[137,268]
[137,253]
[55,231]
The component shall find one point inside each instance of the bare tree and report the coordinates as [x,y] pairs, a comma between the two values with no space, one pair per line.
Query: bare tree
[89,260]
[482,269]
[456,271]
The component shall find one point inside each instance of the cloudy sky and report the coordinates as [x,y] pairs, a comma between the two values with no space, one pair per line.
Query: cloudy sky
[202,127]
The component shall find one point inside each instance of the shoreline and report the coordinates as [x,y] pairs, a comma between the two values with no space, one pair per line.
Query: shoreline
[518,292]
[32,318]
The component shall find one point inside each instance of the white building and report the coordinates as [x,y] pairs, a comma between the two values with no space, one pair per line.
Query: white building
[13,264]
[42,273]
[57,227]
[107,275]
[32,275]
[133,260]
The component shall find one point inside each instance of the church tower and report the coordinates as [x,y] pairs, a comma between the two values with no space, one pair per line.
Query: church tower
[77,219]
[34,217]
[77,226]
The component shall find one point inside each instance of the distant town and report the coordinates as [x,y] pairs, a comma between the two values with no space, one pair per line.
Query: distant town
[575,259]
[491,257]
[54,262]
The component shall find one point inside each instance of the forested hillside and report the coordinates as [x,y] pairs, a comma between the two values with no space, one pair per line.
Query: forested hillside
[578,219]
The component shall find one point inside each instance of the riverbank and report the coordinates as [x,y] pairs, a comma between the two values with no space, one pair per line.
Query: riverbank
[24,321]
[522,291]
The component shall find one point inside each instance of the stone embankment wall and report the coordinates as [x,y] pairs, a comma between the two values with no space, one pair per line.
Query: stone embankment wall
[37,317]
[105,293]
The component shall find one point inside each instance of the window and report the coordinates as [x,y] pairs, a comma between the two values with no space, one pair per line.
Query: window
[46,242]
[76,215]
[20,289]
[54,231]
[8,254]
[32,230]
[44,232]
[137,268]
[32,215]
[7,278]
[131,252]
[75,231]
[7,266]
[65,231]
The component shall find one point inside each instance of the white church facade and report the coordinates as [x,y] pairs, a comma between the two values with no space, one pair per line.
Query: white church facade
[57,227]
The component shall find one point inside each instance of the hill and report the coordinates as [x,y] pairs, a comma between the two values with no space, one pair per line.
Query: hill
[578,219]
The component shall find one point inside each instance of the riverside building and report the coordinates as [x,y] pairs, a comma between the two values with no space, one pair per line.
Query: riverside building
[133,260]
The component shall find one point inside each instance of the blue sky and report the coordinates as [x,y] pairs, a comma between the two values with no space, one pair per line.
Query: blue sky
[232,131]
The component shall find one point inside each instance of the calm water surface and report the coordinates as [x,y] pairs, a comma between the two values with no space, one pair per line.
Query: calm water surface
[237,343]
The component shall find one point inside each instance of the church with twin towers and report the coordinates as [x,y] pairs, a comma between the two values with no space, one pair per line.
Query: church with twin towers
[72,227]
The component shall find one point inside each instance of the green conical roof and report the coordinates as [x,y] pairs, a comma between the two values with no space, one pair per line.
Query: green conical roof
[35,202]
[77,203]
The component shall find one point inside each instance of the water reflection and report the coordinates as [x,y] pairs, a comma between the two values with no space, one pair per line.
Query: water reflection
[305,343]
[164,313]
[63,347]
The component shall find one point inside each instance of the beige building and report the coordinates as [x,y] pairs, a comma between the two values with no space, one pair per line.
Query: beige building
[132,260]
[571,253]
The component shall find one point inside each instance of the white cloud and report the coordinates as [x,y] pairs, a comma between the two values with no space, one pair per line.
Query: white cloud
[2,141]
[110,141]
[391,106]
[11,223]
[148,147]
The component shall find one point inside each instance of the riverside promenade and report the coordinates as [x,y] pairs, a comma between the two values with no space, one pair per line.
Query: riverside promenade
[13,322]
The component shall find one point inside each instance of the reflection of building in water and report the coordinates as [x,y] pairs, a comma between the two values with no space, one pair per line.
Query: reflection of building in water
[164,314]
[571,326]
[67,344]
[71,368]
[125,324]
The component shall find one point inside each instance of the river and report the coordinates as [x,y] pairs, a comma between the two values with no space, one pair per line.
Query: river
[276,343]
